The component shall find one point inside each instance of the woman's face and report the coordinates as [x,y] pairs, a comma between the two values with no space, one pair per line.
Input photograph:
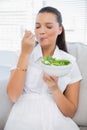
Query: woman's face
[47,29]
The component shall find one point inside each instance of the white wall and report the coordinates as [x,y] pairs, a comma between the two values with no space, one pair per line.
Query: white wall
[16,15]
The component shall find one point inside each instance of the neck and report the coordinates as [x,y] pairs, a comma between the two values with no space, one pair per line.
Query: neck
[48,51]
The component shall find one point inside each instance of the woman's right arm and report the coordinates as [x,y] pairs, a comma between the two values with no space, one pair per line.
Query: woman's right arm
[16,82]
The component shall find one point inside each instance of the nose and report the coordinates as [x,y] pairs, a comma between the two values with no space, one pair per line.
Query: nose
[42,31]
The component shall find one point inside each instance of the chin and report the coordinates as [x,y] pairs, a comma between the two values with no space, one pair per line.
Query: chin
[43,44]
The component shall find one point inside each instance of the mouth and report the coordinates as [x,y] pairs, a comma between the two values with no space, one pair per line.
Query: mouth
[43,38]
[38,38]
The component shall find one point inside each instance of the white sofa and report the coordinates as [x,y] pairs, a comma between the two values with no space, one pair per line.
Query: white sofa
[80,51]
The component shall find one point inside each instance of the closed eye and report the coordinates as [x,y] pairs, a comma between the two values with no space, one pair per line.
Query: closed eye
[37,27]
[49,27]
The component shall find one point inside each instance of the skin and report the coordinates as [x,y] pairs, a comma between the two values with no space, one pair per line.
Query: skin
[46,30]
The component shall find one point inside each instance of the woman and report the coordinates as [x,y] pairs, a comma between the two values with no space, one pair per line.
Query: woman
[42,101]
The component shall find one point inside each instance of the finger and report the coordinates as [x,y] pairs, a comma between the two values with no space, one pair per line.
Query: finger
[32,37]
[28,33]
[54,78]
[46,76]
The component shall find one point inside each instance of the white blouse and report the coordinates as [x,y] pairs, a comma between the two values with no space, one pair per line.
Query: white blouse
[34,82]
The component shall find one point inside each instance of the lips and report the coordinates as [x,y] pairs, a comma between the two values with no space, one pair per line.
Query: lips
[42,39]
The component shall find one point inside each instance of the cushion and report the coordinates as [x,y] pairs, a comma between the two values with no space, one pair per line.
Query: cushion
[5,104]
[80,52]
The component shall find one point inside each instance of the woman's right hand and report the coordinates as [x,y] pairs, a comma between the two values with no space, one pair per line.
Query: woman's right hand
[28,42]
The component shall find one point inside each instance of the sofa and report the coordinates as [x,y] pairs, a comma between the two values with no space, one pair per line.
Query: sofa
[79,50]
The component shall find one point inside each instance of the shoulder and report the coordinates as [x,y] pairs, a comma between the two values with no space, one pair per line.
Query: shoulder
[65,55]
[36,49]
[36,53]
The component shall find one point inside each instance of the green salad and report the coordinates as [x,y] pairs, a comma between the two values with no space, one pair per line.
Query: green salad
[49,60]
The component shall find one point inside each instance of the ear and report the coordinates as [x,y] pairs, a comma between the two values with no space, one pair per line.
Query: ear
[60,29]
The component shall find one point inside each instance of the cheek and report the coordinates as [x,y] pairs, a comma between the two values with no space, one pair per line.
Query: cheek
[53,34]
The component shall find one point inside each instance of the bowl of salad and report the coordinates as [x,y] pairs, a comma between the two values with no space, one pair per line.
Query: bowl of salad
[57,67]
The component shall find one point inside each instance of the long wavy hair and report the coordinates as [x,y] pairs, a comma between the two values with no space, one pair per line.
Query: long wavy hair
[60,41]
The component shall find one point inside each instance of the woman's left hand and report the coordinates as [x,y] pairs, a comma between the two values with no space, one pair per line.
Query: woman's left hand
[51,81]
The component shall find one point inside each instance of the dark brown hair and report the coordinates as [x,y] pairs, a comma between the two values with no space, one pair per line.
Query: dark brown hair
[60,41]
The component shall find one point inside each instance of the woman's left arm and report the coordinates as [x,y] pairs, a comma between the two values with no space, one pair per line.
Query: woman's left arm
[67,102]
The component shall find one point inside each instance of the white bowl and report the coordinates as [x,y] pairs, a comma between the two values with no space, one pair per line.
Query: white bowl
[57,70]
